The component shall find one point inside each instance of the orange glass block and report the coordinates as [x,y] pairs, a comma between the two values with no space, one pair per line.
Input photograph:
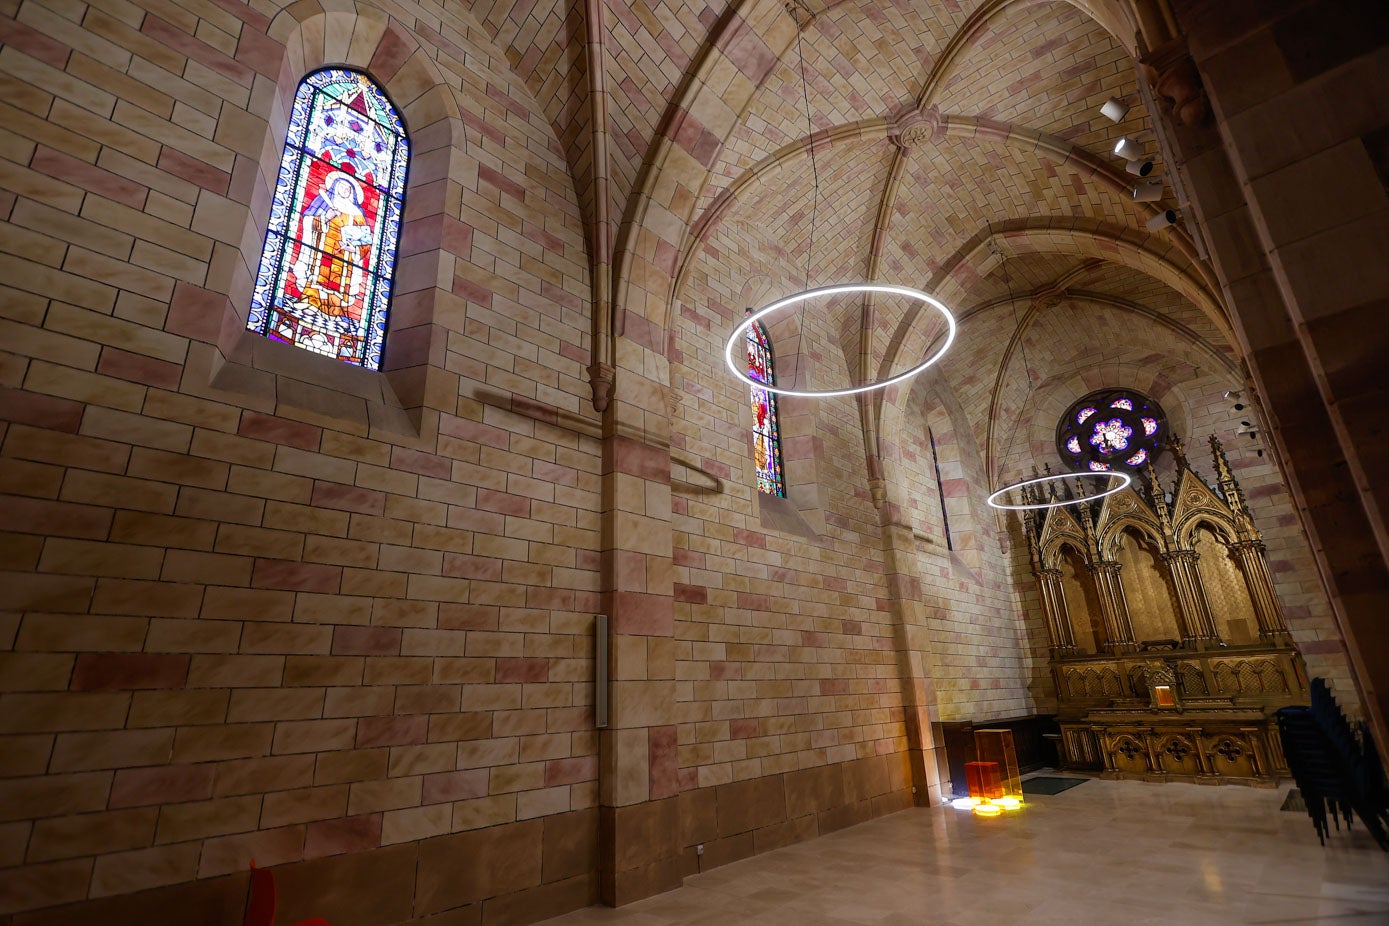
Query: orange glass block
[995,746]
[985,781]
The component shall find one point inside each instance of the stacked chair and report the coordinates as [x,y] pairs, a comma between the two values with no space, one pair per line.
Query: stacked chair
[1336,766]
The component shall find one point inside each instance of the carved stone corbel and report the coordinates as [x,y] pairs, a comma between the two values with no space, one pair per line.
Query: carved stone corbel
[601,377]
[1176,84]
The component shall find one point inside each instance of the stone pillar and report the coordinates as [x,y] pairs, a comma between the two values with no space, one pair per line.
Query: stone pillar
[1058,617]
[1198,626]
[638,782]
[1249,554]
[1286,179]
[913,658]
[1114,607]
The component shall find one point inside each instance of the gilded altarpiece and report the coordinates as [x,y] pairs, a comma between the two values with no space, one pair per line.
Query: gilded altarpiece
[1169,651]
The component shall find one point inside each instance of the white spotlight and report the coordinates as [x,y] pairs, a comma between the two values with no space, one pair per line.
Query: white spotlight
[1127,147]
[1233,393]
[1114,110]
[1162,220]
[1148,191]
[1139,167]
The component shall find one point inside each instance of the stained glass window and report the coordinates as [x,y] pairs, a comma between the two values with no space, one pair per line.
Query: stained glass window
[766,433]
[324,282]
[1111,429]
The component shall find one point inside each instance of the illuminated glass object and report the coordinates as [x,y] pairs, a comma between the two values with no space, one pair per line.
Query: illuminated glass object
[1111,430]
[1111,435]
[766,432]
[324,282]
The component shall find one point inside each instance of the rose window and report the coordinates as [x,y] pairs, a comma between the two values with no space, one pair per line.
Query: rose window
[1114,429]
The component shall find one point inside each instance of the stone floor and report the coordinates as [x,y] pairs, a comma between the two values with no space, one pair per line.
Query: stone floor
[1119,852]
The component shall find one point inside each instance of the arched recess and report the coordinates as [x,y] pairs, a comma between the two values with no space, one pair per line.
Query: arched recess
[1082,601]
[223,355]
[1226,590]
[1151,598]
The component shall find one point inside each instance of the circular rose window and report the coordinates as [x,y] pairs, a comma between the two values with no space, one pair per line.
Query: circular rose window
[1113,429]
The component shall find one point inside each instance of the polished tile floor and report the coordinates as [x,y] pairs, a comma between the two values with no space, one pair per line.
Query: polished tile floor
[1106,852]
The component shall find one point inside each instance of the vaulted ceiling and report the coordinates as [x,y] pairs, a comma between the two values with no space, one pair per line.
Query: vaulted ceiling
[952,145]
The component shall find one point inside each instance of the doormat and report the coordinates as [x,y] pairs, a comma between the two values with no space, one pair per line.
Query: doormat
[1294,802]
[1045,784]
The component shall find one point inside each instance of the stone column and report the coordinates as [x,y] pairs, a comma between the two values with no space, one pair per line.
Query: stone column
[1114,607]
[1058,617]
[1249,554]
[1198,626]
[905,602]
[638,783]
[1280,171]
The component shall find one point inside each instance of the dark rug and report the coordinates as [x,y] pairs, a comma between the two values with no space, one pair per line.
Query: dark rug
[1045,784]
[1294,802]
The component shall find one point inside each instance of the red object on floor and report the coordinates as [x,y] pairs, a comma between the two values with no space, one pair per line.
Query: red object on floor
[984,780]
[260,906]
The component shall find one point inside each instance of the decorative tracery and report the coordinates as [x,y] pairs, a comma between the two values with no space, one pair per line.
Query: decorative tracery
[766,432]
[1111,430]
[324,282]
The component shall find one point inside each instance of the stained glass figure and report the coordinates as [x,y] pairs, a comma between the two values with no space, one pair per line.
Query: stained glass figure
[324,282]
[1112,429]
[766,433]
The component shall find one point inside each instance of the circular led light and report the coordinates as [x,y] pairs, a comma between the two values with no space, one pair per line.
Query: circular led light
[1125,480]
[735,339]
[988,809]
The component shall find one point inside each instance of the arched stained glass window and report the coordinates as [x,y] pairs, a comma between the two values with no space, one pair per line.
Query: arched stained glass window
[766,433]
[324,282]
[1113,429]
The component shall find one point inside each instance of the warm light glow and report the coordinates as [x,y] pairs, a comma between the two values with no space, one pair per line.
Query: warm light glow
[1125,480]
[1008,802]
[988,809]
[735,339]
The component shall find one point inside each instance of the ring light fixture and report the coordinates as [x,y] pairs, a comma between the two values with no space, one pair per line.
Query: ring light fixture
[1124,481]
[735,340]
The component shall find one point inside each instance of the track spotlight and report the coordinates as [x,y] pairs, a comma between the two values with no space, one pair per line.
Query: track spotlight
[1127,147]
[1114,110]
[1233,393]
[1239,406]
[1148,191]
[1162,220]
[1139,167]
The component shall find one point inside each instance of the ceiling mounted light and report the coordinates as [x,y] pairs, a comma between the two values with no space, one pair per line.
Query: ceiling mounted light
[738,336]
[1161,220]
[1139,167]
[1148,191]
[1027,490]
[1114,110]
[1127,147]
[739,333]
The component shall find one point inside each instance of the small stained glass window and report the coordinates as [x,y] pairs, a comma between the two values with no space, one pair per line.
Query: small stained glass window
[766,431]
[1111,429]
[324,282]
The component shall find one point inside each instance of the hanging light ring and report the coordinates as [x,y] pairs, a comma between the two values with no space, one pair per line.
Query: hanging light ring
[735,339]
[1124,481]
